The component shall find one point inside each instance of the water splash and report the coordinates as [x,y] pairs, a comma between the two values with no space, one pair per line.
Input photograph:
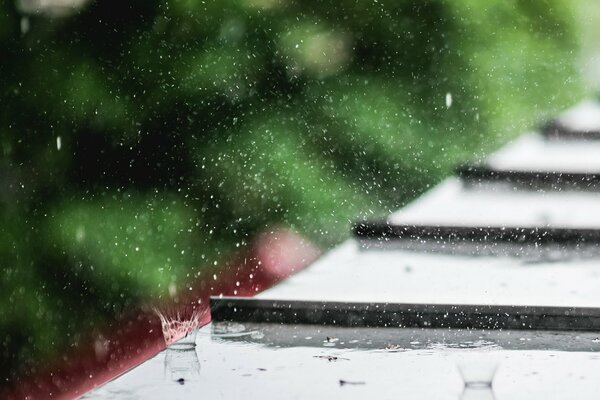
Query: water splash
[179,323]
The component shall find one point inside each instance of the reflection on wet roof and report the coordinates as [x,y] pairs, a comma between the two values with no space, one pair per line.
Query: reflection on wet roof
[277,335]
[233,368]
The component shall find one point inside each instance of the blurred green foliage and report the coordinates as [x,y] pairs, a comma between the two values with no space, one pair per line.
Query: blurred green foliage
[144,140]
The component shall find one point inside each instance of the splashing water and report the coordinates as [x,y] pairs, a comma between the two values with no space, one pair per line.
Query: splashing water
[180,323]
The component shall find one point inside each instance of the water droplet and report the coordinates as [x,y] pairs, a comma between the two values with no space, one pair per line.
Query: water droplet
[448,100]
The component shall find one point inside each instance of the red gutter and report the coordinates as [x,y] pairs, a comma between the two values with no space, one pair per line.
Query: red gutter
[133,339]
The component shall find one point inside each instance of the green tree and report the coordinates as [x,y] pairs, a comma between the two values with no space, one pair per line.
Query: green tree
[143,140]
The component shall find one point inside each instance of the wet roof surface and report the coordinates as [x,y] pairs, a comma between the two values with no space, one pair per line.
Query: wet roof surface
[353,273]
[532,152]
[259,365]
[243,355]
[451,203]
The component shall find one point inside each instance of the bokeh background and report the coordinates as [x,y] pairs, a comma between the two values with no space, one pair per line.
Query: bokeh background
[143,142]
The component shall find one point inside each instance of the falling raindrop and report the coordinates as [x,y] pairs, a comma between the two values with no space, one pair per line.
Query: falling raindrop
[448,100]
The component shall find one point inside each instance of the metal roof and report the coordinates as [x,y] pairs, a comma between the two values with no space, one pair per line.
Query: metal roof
[481,288]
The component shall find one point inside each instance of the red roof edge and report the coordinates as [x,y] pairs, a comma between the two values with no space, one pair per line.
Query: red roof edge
[136,337]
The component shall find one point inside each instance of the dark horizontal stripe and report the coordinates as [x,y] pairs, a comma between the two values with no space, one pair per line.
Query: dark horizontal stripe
[556,130]
[481,173]
[536,236]
[396,315]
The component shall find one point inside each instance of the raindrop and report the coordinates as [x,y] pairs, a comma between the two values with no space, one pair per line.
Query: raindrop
[448,100]
[25,25]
